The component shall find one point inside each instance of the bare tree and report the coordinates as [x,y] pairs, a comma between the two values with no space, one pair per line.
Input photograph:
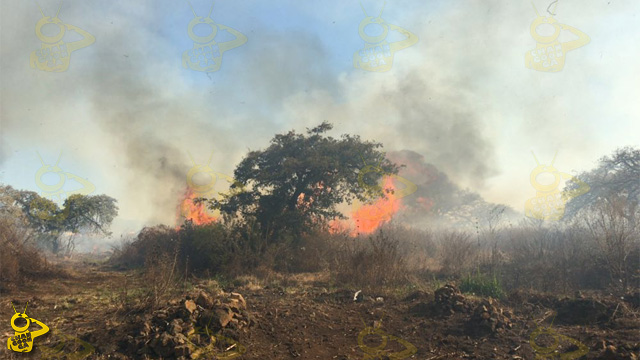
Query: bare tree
[616,177]
[617,236]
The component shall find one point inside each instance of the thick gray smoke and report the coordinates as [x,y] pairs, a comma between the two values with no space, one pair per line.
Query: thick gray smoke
[126,113]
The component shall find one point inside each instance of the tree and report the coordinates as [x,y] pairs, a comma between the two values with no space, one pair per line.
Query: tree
[618,239]
[92,214]
[617,178]
[296,183]
[30,210]
[80,213]
[610,211]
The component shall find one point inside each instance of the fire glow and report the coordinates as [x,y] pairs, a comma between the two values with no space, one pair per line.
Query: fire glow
[197,213]
[369,217]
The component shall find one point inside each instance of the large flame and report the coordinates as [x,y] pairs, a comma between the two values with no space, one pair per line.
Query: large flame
[366,218]
[197,213]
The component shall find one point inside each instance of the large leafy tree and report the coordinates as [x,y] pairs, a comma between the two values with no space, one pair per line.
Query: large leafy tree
[80,213]
[90,213]
[296,183]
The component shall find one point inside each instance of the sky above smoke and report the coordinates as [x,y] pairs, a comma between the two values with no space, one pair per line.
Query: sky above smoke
[126,114]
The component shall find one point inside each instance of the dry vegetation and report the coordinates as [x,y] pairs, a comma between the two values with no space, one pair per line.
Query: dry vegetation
[478,293]
[603,256]
[533,270]
[20,258]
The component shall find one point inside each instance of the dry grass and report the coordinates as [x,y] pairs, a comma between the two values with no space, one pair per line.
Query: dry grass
[559,258]
[457,253]
[373,262]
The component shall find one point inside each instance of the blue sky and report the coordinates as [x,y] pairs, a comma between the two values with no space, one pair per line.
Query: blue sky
[126,112]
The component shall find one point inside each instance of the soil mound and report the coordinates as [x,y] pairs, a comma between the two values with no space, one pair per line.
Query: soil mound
[583,312]
[447,301]
[198,324]
[489,318]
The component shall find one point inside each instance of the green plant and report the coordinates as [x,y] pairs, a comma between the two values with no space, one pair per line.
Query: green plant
[437,284]
[482,284]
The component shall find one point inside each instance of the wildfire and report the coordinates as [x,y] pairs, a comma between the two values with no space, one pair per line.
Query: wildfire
[370,216]
[197,213]
[425,203]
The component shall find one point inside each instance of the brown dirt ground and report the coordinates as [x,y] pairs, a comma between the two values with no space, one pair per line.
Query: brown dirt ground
[310,320]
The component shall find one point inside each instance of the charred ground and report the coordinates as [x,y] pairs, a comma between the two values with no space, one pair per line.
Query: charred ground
[304,316]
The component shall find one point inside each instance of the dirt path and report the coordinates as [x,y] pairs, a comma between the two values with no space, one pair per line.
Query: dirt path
[303,322]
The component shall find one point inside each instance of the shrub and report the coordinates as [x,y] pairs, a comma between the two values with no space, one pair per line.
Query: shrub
[375,263]
[19,258]
[134,253]
[618,238]
[161,278]
[206,249]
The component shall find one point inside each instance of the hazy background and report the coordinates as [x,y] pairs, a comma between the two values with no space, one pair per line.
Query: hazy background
[125,114]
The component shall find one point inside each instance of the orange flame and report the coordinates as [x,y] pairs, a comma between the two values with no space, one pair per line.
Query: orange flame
[425,203]
[197,213]
[369,217]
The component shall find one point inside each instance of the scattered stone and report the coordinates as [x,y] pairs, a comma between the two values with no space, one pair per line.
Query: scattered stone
[204,300]
[179,331]
[448,300]
[183,350]
[190,305]
[240,299]
[161,314]
[488,318]
[175,327]
[146,328]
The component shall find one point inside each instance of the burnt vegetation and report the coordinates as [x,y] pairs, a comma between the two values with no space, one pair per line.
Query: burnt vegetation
[485,269]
